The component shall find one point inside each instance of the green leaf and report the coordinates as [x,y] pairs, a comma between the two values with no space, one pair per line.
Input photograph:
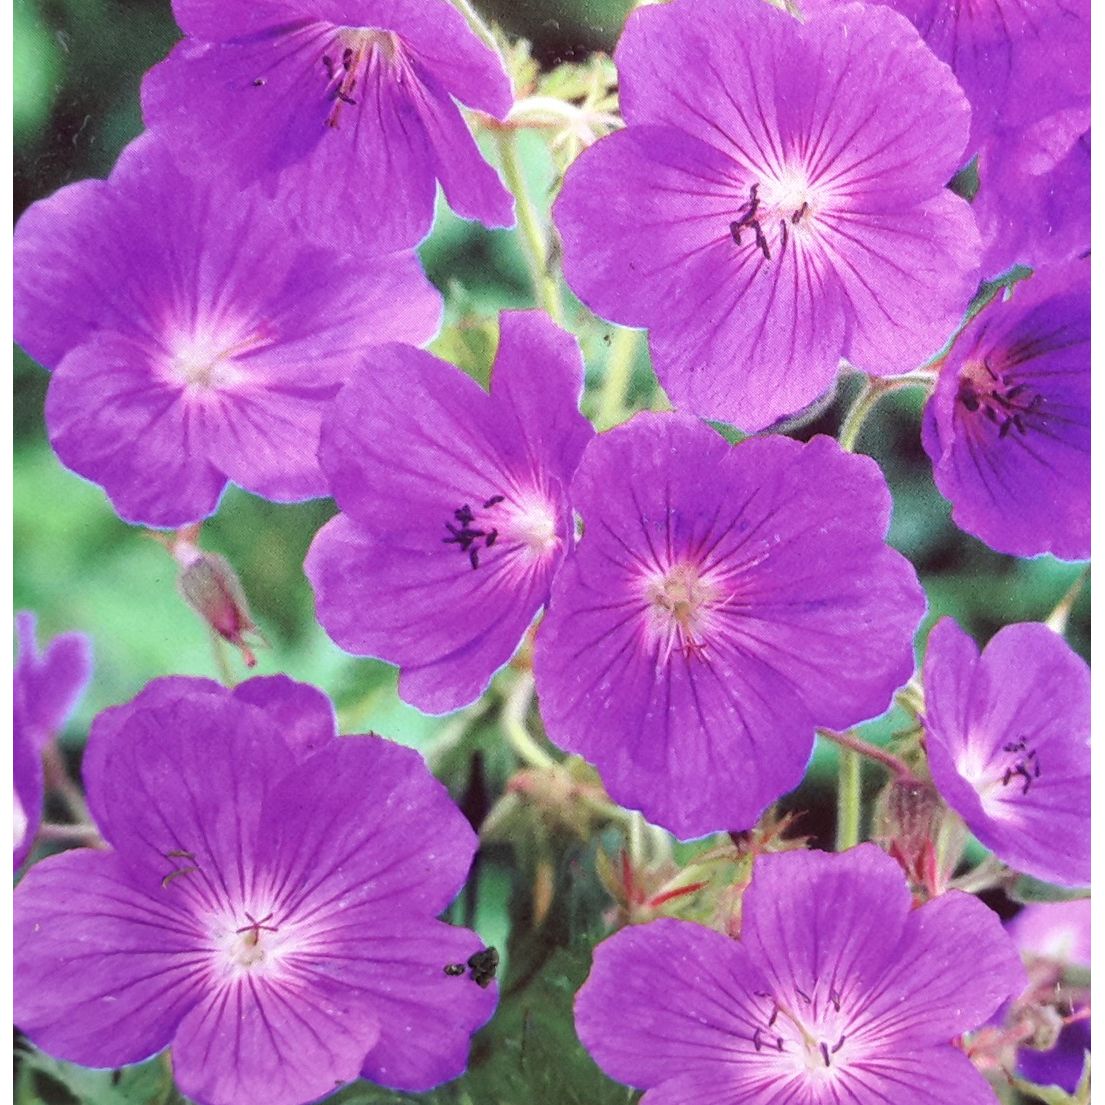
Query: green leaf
[147,1084]
[1049,1095]
[1028,890]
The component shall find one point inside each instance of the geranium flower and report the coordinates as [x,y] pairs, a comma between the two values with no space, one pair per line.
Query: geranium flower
[721,604]
[1008,426]
[836,992]
[46,687]
[1017,62]
[1007,735]
[343,110]
[1033,206]
[267,909]
[193,338]
[1060,933]
[455,507]
[783,208]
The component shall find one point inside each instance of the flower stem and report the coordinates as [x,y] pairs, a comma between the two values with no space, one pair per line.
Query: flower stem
[88,835]
[222,665]
[514,725]
[57,780]
[872,751]
[619,373]
[874,388]
[534,240]
[848,799]
[1058,618]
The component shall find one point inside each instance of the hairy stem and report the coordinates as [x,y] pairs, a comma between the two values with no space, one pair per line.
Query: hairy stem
[534,238]
[872,751]
[612,406]
[848,799]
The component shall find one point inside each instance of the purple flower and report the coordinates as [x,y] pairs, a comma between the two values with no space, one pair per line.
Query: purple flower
[268,907]
[1060,932]
[343,110]
[455,508]
[1016,61]
[836,992]
[722,603]
[1008,426]
[45,689]
[783,208]
[1033,206]
[1007,735]
[194,340]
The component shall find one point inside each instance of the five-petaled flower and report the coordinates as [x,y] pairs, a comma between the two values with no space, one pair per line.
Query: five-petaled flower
[836,991]
[1008,740]
[342,110]
[783,209]
[193,339]
[1008,426]
[455,507]
[722,602]
[267,909]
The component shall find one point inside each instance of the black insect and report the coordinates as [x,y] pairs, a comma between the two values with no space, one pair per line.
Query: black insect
[481,967]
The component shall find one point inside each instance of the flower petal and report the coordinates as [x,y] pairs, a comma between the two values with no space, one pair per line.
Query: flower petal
[665,996]
[50,684]
[303,715]
[103,971]
[266,1043]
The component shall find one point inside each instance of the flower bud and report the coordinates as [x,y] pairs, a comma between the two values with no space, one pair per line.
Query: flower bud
[210,586]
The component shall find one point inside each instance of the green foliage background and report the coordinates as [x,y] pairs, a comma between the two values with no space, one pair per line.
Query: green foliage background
[78,65]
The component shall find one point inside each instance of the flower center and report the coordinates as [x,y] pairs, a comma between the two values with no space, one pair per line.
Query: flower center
[808,1035]
[205,361]
[1001,400]
[249,945]
[528,524]
[353,53]
[679,609]
[1010,774]
[778,212]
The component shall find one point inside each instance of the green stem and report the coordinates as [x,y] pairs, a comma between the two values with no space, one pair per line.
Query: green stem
[874,388]
[1058,618]
[615,384]
[513,720]
[479,27]
[848,799]
[534,239]
[872,751]
[222,665]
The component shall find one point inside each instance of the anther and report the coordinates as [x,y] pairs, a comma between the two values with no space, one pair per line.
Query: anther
[837,1046]
[825,1053]
[783,243]
[796,218]
[757,1043]
[834,998]
[774,1016]
[328,62]
[474,557]
[761,240]
[493,501]
[344,98]
[347,58]
[802,994]
[778,1043]
[492,537]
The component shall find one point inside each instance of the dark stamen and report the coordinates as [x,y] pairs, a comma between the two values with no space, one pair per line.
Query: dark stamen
[761,241]
[802,994]
[837,1046]
[834,998]
[492,537]
[344,98]
[825,1053]
[774,1016]
[474,557]
[783,243]
[328,62]
[347,58]
[796,218]
[756,1039]
[735,230]
[493,501]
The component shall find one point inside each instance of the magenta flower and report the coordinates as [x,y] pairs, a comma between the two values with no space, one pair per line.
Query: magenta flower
[343,110]
[268,908]
[45,689]
[1017,62]
[455,507]
[783,209]
[836,992]
[1008,736]
[722,603]
[194,340]
[1008,426]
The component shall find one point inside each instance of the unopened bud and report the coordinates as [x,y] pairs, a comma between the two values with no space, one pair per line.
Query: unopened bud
[1045,1023]
[908,816]
[210,586]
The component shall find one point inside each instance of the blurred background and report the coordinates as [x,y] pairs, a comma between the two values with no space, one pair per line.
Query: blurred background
[78,67]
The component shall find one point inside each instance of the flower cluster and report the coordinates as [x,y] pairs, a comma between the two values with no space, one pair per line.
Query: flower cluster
[792,195]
